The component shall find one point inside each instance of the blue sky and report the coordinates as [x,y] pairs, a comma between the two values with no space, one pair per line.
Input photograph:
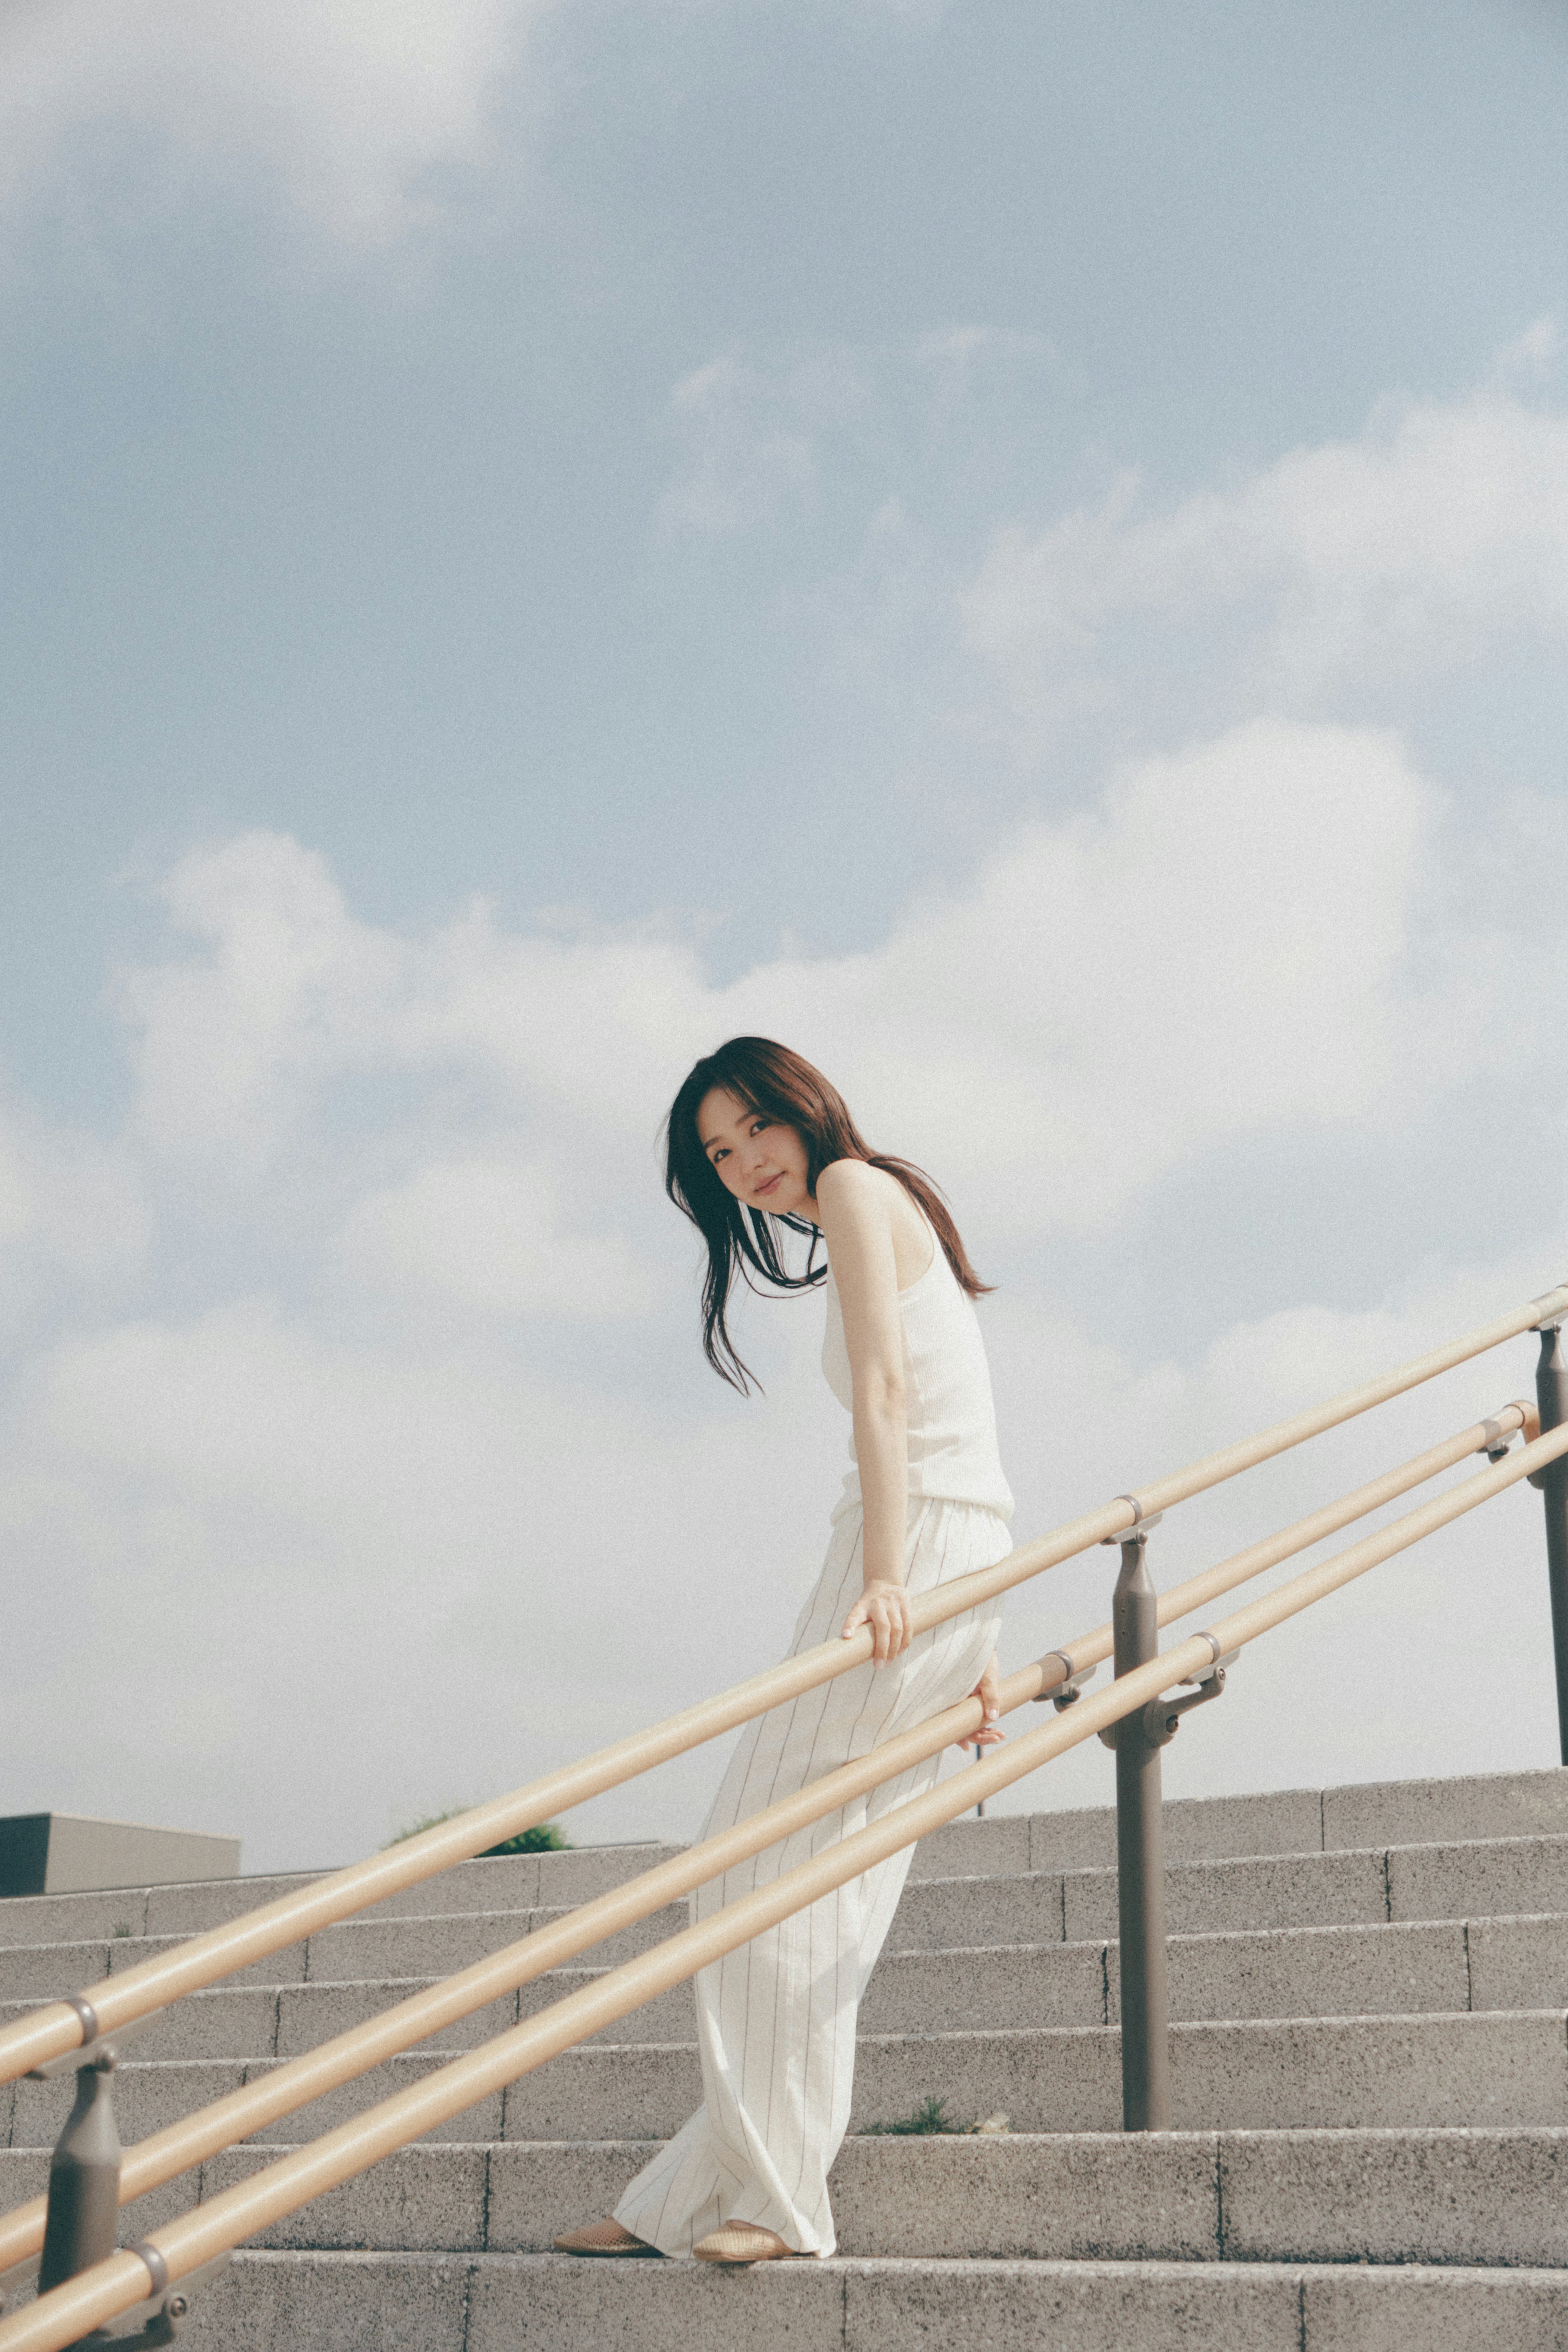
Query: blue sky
[1023,548]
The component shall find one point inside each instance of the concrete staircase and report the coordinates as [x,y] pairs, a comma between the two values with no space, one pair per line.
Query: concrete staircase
[1370,2054]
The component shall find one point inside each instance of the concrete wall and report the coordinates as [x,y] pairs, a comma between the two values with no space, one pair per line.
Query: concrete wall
[65,1853]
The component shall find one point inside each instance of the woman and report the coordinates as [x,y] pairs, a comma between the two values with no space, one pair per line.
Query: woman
[758,1141]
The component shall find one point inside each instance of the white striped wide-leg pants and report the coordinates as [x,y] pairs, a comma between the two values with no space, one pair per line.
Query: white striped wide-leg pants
[776,2019]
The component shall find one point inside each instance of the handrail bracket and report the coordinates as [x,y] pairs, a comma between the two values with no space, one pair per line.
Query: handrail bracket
[1066,1694]
[1162,1716]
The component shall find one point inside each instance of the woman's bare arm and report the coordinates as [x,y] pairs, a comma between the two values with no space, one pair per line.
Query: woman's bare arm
[858,1227]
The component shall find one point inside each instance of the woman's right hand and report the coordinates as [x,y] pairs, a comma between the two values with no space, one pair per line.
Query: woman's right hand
[885,1607]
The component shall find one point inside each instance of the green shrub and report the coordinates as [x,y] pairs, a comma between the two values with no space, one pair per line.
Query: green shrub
[543,1838]
[930,2116]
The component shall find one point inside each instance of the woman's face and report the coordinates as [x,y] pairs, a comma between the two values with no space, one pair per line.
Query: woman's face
[759,1160]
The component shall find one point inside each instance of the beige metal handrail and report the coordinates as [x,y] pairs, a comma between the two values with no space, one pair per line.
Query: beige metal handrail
[187,2244]
[117,2002]
[1242,1566]
[241,2114]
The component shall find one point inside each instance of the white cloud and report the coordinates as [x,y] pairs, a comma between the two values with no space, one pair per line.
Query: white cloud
[72,1212]
[228,1047]
[1405,548]
[585,1018]
[278,992]
[765,438]
[484,1234]
[350,103]
[1220,949]
[750,439]
[1529,358]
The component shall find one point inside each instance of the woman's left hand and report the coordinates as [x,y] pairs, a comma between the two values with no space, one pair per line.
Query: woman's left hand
[989,1691]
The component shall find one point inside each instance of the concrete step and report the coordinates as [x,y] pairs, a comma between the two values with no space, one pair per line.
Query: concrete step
[1458,1880]
[521,1881]
[510,2303]
[149,2097]
[1480,2198]
[1201,1899]
[1389,2073]
[1443,1965]
[1316,2073]
[372,1948]
[1494,1877]
[272,2021]
[1440,1966]
[34,1973]
[1499,1878]
[368,1951]
[1285,1821]
[119,1912]
[1295,2074]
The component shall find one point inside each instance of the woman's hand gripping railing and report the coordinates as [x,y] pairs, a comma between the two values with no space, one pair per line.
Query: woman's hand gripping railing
[241,2114]
[114,2002]
[197,2238]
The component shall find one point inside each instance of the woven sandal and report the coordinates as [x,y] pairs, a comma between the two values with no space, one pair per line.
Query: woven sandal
[742,2241]
[604,2238]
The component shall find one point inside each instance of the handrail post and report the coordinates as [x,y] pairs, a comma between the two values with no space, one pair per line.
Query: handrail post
[1552,1396]
[82,2216]
[84,2179]
[1140,1858]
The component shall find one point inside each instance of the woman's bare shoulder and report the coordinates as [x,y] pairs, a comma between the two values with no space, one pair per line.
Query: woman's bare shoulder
[855,1186]
[851,1174]
[856,1198]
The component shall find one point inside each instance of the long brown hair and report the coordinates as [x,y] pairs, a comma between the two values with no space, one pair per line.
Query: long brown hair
[781,1085]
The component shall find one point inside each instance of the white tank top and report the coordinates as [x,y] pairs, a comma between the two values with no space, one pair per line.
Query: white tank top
[952,1417]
